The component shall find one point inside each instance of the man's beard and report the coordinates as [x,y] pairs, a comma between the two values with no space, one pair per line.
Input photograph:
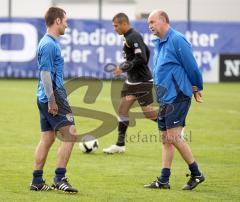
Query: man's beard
[62,32]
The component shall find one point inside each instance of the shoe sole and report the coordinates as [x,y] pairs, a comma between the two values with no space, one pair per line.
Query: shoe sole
[33,190]
[118,152]
[66,192]
[146,186]
[156,188]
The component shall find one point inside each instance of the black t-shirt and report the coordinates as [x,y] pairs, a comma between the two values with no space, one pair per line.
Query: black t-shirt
[136,52]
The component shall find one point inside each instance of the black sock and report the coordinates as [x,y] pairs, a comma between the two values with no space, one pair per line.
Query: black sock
[37,176]
[165,174]
[122,128]
[60,173]
[194,169]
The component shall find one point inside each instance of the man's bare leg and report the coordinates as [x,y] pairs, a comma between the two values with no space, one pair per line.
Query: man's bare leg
[68,138]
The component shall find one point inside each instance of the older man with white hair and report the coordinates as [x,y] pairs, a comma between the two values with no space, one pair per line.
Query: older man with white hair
[176,78]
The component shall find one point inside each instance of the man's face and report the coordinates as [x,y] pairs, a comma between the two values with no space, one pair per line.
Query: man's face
[62,25]
[118,27]
[155,24]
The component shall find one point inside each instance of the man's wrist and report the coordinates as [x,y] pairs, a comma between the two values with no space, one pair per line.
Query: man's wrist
[125,66]
[195,89]
[51,99]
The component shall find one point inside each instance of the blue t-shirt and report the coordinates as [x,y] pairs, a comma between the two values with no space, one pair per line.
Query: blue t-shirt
[49,59]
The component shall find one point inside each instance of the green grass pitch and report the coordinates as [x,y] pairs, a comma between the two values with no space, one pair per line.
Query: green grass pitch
[215,141]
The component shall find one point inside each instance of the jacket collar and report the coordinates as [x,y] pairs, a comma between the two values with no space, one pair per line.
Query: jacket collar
[128,32]
[165,38]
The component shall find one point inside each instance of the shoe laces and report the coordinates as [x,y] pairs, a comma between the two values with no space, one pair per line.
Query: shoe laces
[65,180]
[156,181]
[192,178]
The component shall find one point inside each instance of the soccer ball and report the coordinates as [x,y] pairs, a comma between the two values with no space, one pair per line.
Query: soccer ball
[89,146]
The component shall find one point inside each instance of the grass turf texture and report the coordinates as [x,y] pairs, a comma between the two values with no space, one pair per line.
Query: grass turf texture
[215,138]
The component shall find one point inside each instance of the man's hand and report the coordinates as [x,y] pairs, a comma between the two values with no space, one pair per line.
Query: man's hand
[197,94]
[117,71]
[52,108]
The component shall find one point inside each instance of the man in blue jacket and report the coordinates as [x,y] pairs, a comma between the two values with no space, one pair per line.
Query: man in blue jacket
[176,77]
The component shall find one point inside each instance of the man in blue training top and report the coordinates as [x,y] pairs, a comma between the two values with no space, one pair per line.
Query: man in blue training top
[176,77]
[55,112]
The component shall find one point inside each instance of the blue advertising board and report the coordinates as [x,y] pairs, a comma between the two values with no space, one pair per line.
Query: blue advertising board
[88,45]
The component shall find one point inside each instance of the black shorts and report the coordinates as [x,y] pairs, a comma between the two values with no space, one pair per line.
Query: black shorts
[142,92]
[49,122]
[173,115]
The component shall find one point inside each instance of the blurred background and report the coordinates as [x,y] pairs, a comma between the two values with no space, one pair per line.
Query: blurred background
[201,10]
[212,26]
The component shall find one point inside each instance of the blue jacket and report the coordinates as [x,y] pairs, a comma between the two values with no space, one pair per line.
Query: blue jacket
[175,69]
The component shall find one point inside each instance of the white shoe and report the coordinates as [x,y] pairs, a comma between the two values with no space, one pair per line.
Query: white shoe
[114,149]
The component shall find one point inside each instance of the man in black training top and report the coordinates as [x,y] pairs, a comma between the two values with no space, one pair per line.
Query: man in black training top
[138,85]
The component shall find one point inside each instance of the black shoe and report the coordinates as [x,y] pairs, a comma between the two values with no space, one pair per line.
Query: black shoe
[64,186]
[156,184]
[40,187]
[193,181]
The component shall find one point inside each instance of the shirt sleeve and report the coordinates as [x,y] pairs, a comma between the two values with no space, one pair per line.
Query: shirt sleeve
[185,54]
[46,57]
[47,84]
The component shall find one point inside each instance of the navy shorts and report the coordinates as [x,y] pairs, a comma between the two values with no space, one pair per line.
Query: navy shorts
[49,122]
[173,115]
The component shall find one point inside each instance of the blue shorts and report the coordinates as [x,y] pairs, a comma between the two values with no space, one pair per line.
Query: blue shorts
[49,122]
[173,115]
